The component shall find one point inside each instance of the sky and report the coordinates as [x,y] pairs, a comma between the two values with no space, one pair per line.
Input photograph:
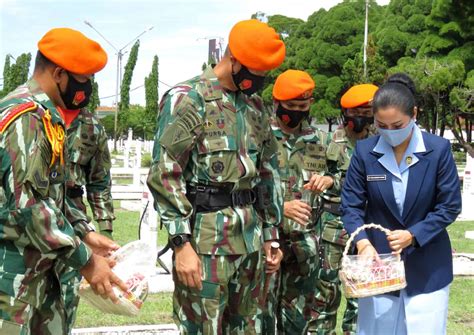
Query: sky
[179,36]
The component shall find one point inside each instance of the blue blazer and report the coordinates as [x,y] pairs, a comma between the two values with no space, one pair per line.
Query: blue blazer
[433,201]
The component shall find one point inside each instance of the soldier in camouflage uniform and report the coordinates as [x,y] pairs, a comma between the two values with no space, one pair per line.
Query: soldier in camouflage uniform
[89,167]
[89,158]
[302,161]
[214,179]
[358,120]
[38,242]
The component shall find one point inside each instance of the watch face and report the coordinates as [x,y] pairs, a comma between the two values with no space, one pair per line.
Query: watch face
[177,240]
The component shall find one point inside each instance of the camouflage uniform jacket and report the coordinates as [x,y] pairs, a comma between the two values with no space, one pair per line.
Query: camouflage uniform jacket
[299,157]
[90,167]
[208,136]
[36,239]
[339,155]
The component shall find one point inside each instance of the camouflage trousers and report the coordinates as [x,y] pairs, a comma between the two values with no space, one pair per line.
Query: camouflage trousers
[56,316]
[20,318]
[333,240]
[70,282]
[292,292]
[228,301]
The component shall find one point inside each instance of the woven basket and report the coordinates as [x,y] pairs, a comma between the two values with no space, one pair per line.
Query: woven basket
[362,277]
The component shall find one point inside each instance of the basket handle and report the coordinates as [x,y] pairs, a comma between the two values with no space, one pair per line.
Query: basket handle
[358,230]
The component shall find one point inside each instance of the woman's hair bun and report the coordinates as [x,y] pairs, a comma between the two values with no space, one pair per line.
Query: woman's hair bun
[402,79]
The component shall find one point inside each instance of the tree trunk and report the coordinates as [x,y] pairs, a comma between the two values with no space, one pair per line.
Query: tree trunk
[434,121]
[443,122]
[457,132]
[468,126]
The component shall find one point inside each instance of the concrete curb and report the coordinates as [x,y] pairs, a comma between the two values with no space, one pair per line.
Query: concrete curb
[165,329]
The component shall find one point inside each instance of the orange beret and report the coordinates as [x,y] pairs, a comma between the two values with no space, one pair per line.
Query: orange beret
[73,51]
[256,45]
[293,84]
[358,95]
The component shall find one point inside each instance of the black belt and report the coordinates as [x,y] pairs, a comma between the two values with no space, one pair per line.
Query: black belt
[331,207]
[213,198]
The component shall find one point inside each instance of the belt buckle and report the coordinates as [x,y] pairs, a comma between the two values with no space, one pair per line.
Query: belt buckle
[200,188]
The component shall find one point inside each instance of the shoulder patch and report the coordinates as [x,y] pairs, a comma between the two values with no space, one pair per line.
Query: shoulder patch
[14,113]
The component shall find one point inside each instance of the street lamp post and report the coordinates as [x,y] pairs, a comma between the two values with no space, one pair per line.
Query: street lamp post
[120,52]
[366,33]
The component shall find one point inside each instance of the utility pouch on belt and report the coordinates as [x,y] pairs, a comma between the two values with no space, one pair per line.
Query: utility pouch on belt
[75,192]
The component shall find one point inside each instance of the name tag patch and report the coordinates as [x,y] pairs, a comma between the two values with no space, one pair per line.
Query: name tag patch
[376,177]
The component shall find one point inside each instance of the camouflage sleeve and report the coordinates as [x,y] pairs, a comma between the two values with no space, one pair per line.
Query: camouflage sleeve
[270,177]
[179,124]
[77,217]
[99,184]
[30,217]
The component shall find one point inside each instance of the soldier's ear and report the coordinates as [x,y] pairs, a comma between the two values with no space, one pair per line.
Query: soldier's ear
[58,73]
[235,64]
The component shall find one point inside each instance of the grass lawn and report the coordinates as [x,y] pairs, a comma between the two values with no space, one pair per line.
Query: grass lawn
[158,307]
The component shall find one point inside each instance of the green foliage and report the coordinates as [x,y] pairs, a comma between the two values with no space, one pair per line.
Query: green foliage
[15,74]
[108,123]
[284,25]
[94,101]
[151,98]
[146,160]
[6,71]
[127,78]
[267,95]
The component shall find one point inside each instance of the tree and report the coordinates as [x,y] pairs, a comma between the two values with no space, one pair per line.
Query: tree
[127,78]
[353,69]
[15,74]
[151,98]
[284,25]
[6,72]
[94,101]
[462,101]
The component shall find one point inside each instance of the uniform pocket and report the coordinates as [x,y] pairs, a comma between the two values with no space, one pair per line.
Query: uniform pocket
[219,157]
[218,233]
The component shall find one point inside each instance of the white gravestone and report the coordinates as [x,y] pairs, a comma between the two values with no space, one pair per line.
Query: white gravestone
[138,163]
[468,190]
[128,145]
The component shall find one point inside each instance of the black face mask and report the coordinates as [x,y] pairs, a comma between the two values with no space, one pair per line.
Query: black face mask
[77,94]
[247,82]
[291,118]
[357,123]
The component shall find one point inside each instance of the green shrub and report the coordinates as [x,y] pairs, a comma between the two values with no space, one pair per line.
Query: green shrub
[146,160]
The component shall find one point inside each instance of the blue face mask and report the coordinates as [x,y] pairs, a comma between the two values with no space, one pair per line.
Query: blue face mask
[395,137]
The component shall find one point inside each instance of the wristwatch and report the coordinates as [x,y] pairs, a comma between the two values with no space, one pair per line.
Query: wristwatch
[179,240]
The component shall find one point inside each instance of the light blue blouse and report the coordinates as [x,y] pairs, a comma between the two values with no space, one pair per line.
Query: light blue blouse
[400,172]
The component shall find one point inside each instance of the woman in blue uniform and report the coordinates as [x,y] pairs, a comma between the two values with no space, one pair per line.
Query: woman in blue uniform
[405,180]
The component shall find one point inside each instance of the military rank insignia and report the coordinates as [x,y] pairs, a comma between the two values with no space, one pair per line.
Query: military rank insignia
[14,113]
